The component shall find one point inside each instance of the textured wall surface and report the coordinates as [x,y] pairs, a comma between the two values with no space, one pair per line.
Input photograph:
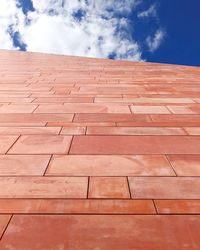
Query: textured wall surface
[98,154]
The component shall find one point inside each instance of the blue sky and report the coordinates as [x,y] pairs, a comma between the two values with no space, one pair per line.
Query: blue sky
[181,19]
[158,31]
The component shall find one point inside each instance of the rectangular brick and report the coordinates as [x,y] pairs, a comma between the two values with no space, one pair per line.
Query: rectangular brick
[149,110]
[72,130]
[110,99]
[111,118]
[193,130]
[114,90]
[16,99]
[35,118]
[83,108]
[185,165]
[41,144]
[42,94]
[76,206]
[184,119]
[21,87]
[109,165]
[13,87]
[159,124]
[134,131]
[107,231]
[80,124]
[135,145]
[23,164]
[17,108]
[108,187]
[165,187]
[29,130]
[14,94]
[22,124]
[178,206]
[43,187]
[146,100]
[64,100]
[195,109]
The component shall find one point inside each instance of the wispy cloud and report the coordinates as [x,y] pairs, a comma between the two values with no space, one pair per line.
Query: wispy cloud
[150,12]
[154,42]
[93,28]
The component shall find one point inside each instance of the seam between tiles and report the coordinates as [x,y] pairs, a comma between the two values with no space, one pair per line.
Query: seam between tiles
[155,207]
[12,144]
[47,165]
[166,156]
[6,227]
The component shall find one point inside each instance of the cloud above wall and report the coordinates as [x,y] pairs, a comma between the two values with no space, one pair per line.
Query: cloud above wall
[93,28]
[154,42]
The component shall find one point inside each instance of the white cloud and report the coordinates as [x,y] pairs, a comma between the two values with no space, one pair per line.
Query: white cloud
[151,12]
[7,17]
[101,28]
[154,42]
[10,18]
[95,35]
[5,40]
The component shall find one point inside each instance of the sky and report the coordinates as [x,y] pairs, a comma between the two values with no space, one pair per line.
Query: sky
[165,31]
